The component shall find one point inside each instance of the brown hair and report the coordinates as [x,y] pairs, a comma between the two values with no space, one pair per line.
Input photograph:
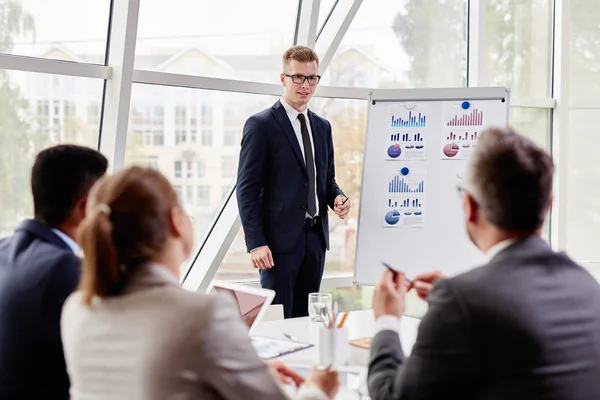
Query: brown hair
[127,225]
[511,180]
[300,54]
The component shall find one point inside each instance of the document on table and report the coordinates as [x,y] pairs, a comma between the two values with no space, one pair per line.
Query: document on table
[270,347]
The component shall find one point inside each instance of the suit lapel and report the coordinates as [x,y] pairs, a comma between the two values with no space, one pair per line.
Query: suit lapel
[283,120]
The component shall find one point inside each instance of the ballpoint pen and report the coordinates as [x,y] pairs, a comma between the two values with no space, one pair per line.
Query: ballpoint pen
[292,338]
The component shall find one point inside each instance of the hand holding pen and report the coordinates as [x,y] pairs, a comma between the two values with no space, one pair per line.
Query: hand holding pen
[342,206]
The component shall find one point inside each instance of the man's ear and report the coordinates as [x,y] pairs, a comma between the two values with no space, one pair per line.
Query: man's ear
[81,206]
[471,208]
[282,79]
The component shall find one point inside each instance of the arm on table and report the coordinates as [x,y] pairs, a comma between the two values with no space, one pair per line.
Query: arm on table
[442,361]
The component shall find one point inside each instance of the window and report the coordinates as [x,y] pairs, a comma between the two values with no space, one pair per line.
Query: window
[231,137]
[203,199]
[178,191]
[206,125]
[236,39]
[50,31]
[396,44]
[201,169]
[189,195]
[228,167]
[518,44]
[153,162]
[188,163]
[584,55]
[27,129]
[225,189]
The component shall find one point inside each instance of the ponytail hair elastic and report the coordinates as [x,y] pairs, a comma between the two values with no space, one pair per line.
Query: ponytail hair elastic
[103,208]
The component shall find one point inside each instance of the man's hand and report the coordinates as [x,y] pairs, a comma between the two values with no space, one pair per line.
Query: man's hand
[389,295]
[325,379]
[342,206]
[262,258]
[423,283]
[285,374]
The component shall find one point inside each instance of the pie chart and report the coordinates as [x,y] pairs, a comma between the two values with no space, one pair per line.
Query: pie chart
[394,151]
[451,150]
[392,217]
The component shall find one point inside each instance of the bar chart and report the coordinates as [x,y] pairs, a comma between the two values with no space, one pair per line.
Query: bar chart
[404,203]
[411,121]
[472,118]
[470,136]
[400,184]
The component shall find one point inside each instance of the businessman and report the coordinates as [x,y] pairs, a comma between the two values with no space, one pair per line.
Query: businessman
[286,180]
[39,268]
[524,326]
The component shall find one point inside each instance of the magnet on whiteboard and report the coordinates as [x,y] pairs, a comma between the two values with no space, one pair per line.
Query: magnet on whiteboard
[460,174]
[465,105]
[409,106]
[404,171]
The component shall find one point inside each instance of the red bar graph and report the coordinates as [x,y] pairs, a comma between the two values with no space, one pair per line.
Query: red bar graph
[474,118]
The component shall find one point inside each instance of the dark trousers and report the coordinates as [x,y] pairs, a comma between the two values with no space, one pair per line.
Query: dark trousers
[297,274]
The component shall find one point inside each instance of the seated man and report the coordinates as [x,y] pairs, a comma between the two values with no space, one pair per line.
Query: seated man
[39,268]
[524,326]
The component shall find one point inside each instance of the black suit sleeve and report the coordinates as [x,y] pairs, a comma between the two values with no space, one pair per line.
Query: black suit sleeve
[250,181]
[333,190]
[442,363]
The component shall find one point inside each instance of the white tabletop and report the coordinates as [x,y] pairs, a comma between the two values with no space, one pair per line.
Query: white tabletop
[361,324]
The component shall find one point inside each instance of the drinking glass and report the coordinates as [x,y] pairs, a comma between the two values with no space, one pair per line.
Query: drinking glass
[318,305]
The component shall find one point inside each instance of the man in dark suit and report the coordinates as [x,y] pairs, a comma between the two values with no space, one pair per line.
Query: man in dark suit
[39,268]
[524,326]
[286,180]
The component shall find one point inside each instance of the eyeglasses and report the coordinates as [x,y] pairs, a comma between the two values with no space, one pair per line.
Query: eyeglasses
[462,192]
[300,79]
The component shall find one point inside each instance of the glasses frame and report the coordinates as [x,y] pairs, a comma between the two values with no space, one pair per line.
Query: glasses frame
[304,79]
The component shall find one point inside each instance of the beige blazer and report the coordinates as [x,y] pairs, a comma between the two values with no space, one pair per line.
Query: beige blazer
[159,341]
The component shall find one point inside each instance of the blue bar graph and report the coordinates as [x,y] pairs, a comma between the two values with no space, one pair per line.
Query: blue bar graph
[405,137]
[404,203]
[399,185]
[413,121]
[418,137]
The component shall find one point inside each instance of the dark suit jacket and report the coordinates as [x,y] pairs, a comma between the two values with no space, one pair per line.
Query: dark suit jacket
[526,326]
[38,270]
[272,183]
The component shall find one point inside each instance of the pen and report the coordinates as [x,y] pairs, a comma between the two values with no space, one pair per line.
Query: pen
[388,266]
[292,338]
[345,200]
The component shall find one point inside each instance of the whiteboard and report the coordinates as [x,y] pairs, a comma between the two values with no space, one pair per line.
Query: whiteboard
[417,145]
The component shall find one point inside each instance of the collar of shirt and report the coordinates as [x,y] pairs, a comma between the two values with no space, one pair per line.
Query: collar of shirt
[70,242]
[292,113]
[497,248]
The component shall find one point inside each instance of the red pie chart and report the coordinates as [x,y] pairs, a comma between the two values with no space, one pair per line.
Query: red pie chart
[451,150]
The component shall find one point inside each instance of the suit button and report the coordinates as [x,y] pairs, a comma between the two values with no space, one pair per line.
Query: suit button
[303,207]
[306,185]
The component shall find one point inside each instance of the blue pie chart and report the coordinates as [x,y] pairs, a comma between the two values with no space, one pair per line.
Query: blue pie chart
[392,217]
[394,152]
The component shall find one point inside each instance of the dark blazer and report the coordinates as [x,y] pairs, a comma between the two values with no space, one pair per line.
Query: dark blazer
[272,183]
[38,270]
[526,326]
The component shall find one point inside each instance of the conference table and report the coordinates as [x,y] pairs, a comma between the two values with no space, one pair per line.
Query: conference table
[361,324]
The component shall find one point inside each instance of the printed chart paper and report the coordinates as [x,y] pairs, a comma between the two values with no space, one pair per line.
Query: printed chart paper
[407,131]
[405,198]
[462,126]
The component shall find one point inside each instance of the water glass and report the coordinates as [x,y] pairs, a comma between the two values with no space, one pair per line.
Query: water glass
[319,304]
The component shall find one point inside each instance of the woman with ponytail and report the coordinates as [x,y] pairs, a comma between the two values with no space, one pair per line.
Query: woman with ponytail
[131,332]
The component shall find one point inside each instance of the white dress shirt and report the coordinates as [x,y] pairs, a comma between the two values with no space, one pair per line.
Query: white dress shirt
[293,116]
[392,323]
[70,242]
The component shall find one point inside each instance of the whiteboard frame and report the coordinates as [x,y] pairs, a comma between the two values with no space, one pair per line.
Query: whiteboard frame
[408,95]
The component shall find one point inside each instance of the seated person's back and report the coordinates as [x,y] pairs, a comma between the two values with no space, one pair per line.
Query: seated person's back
[39,268]
[524,326]
[131,332]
